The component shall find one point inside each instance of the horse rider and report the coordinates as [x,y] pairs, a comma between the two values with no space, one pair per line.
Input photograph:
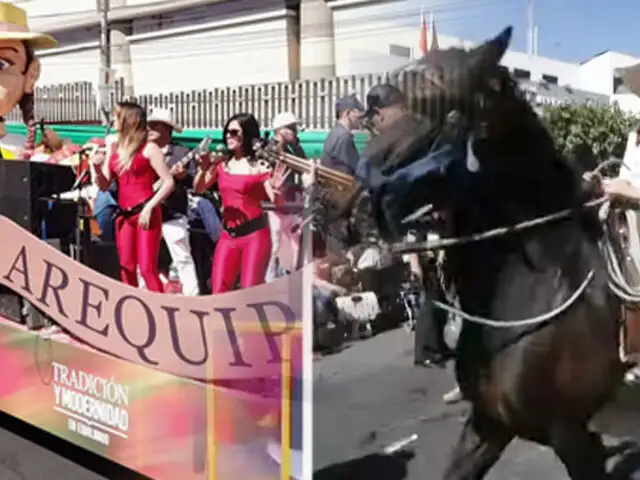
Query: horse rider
[389,115]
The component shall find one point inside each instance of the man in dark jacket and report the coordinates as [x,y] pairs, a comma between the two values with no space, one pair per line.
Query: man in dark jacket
[388,113]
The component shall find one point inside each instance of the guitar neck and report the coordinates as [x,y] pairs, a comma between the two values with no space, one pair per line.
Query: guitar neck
[184,161]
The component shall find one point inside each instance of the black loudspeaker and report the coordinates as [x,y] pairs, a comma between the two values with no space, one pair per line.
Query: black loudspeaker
[24,189]
[15,307]
[202,248]
[103,258]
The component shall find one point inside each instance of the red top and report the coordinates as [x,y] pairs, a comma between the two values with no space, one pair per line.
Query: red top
[135,185]
[242,195]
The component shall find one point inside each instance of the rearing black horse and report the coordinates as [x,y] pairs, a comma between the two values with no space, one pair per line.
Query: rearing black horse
[545,380]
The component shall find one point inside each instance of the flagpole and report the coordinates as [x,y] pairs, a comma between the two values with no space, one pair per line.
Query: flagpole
[430,37]
[424,35]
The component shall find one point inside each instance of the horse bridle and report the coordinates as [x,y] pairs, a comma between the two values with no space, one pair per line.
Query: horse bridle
[474,126]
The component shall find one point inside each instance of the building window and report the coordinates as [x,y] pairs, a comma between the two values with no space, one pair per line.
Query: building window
[399,51]
[550,79]
[617,83]
[520,74]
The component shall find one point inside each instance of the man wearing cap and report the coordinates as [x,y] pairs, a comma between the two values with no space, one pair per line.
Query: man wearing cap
[175,226]
[389,115]
[285,127]
[339,152]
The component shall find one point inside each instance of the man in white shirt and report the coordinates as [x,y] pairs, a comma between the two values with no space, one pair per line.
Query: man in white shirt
[630,171]
[285,127]
[175,224]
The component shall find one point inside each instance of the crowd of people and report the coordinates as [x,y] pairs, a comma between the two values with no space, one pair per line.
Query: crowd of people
[148,192]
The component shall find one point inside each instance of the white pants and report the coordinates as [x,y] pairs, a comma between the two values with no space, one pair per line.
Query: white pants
[176,235]
[275,226]
[284,245]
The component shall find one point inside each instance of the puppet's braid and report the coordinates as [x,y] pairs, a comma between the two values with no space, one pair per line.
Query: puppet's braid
[27,106]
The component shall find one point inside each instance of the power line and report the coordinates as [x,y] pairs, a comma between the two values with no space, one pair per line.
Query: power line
[224,42]
[144,19]
[150,5]
[186,48]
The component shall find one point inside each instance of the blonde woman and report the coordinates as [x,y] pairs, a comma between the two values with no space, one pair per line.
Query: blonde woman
[135,165]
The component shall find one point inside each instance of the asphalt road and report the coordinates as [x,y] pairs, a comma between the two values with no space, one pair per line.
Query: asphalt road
[373,387]
[30,454]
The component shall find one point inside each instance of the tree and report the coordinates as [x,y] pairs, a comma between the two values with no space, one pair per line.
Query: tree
[590,133]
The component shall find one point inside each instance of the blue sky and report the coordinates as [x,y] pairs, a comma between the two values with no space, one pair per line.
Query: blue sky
[571,30]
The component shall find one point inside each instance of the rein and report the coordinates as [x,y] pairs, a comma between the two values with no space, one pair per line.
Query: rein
[616,280]
[523,322]
[414,247]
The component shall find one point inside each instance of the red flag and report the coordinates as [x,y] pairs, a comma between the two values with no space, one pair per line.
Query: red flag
[424,48]
[434,36]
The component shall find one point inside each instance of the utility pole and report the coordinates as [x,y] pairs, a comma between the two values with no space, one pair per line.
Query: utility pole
[105,41]
[104,80]
[530,21]
[532,31]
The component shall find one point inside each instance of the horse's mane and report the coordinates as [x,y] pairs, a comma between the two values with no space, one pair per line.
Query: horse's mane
[537,160]
[404,142]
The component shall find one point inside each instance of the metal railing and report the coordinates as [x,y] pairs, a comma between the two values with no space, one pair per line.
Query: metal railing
[313,101]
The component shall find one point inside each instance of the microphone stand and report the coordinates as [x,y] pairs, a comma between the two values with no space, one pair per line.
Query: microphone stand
[305,252]
[83,226]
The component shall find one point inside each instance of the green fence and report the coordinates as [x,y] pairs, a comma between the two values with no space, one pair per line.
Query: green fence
[312,142]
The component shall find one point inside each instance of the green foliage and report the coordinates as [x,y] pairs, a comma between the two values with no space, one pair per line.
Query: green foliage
[599,132]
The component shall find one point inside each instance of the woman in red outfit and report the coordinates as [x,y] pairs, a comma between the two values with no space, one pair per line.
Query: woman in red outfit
[135,165]
[244,183]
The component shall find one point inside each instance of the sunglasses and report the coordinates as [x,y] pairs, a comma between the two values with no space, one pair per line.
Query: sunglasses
[233,132]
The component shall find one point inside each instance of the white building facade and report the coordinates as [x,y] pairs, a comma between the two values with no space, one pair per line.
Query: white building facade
[162,46]
[171,46]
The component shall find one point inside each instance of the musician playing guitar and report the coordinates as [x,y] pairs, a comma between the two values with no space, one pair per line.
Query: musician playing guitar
[175,223]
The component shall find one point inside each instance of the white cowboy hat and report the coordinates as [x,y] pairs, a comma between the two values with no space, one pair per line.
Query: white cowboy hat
[285,119]
[13,26]
[162,115]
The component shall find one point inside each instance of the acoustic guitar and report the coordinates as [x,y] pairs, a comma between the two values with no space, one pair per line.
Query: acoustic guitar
[203,147]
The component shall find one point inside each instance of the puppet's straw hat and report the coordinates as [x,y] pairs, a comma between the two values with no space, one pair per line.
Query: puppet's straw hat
[13,26]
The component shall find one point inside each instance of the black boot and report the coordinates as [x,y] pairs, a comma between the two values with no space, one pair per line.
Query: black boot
[430,348]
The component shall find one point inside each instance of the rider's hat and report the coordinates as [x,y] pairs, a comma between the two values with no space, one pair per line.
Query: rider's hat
[382,96]
[13,26]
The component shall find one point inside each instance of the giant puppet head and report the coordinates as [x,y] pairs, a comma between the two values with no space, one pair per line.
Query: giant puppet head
[19,69]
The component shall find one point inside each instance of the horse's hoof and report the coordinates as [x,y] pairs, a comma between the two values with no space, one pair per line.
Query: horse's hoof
[429,364]
[632,378]
[453,396]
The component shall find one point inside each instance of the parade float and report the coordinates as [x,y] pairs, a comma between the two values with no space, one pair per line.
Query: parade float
[143,379]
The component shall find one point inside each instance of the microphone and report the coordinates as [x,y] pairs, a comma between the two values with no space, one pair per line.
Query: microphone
[81,178]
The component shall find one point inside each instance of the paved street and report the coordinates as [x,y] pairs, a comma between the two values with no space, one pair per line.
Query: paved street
[28,454]
[372,386]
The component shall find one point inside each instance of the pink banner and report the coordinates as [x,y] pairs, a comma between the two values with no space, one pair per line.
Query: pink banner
[241,330]
[160,425]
